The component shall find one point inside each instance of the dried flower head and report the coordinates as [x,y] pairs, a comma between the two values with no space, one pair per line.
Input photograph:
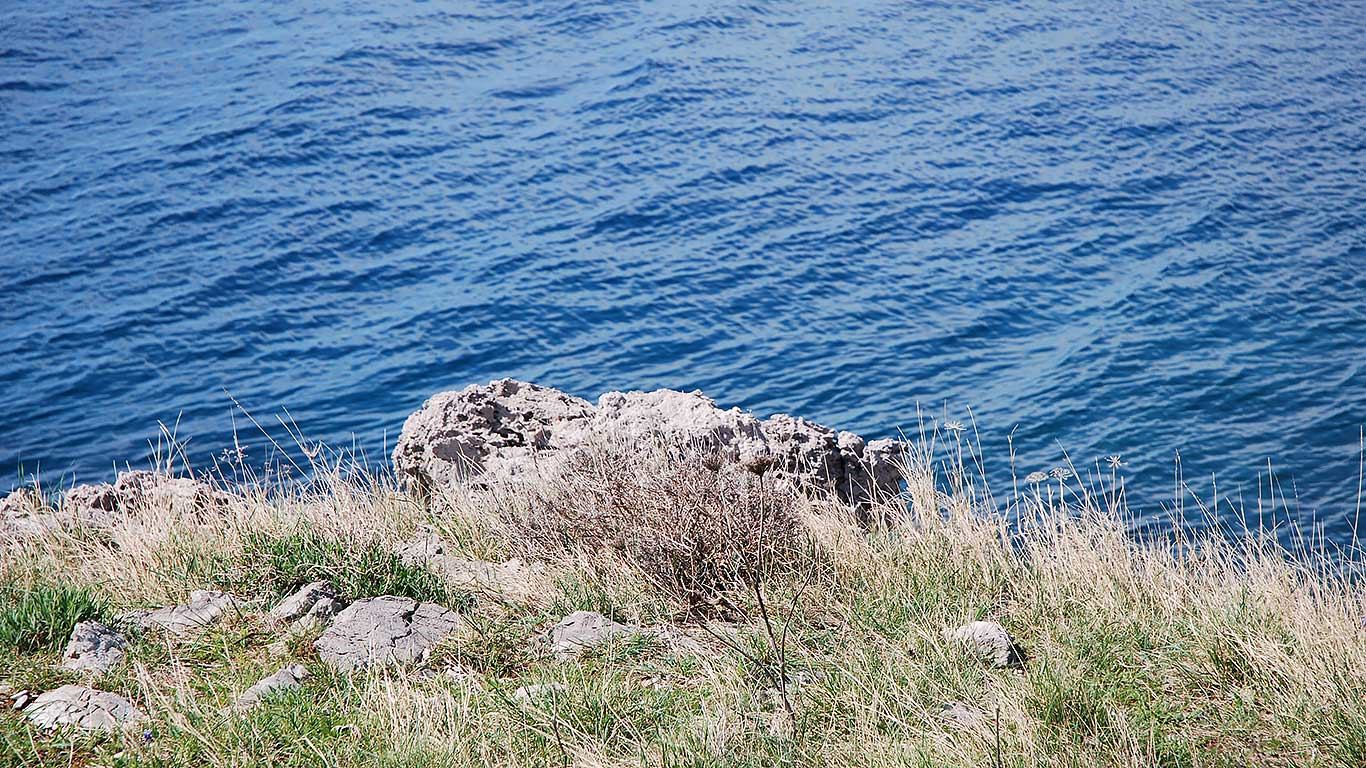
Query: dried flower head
[1060,473]
[1034,478]
[1114,461]
[953,425]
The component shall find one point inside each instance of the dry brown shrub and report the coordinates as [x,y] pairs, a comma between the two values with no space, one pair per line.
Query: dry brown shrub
[698,527]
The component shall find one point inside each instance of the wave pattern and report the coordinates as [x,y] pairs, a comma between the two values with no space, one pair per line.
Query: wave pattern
[1114,227]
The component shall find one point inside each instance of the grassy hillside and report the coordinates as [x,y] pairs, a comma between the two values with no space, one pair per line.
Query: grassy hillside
[794,632]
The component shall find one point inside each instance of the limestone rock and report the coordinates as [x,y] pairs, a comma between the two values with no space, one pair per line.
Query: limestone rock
[529,694]
[501,426]
[302,602]
[23,515]
[511,578]
[686,417]
[288,677]
[94,647]
[989,641]
[100,504]
[959,715]
[82,707]
[511,429]
[582,630]
[384,630]
[205,607]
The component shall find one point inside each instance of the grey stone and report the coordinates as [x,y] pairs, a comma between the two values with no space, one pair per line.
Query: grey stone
[94,647]
[302,602]
[511,429]
[23,515]
[530,694]
[988,641]
[511,578]
[20,699]
[82,707]
[384,630]
[582,630]
[206,607]
[960,715]
[101,504]
[288,677]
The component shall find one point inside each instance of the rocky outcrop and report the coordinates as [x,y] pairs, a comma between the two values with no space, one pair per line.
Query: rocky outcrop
[23,515]
[100,504]
[988,641]
[81,707]
[511,429]
[205,607]
[288,677]
[384,630]
[94,647]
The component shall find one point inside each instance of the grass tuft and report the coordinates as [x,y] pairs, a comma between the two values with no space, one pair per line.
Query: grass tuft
[40,617]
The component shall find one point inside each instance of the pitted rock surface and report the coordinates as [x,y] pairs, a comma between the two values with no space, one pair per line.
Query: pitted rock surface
[988,641]
[82,707]
[288,677]
[384,630]
[23,515]
[512,429]
[582,630]
[205,607]
[99,504]
[94,647]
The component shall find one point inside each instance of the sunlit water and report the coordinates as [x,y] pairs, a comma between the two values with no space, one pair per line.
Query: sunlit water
[1114,228]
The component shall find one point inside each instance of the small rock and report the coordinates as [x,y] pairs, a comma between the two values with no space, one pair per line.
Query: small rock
[528,694]
[20,700]
[288,677]
[511,578]
[582,630]
[384,630]
[94,647]
[82,707]
[205,607]
[960,715]
[302,602]
[989,641]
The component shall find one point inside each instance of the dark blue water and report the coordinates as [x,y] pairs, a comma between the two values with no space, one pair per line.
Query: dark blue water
[1134,228]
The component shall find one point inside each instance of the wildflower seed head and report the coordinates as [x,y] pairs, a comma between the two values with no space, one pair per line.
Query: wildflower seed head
[1114,461]
[1060,473]
[1034,478]
[953,425]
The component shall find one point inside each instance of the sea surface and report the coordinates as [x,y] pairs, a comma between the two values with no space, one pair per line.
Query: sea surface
[1129,228]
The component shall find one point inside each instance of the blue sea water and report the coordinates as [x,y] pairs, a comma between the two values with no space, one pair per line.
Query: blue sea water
[1114,228]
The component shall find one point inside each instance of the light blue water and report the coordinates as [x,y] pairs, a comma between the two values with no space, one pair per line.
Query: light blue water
[1129,228]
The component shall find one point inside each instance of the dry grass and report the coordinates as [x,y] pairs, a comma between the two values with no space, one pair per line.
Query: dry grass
[1209,650]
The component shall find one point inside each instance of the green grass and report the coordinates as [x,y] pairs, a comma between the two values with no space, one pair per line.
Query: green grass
[40,617]
[278,564]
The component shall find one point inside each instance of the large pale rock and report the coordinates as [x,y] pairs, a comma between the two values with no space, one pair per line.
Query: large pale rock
[512,429]
[94,647]
[81,707]
[206,607]
[288,677]
[384,630]
[101,504]
[23,515]
[500,428]
[582,630]
[988,641]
